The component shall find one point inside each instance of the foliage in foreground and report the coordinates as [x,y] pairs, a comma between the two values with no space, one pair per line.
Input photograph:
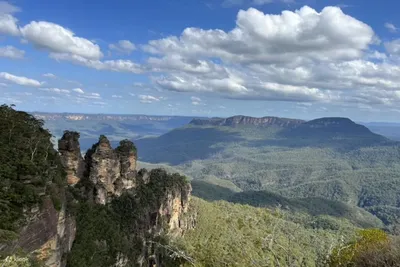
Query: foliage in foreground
[370,248]
[29,166]
[123,230]
[229,234]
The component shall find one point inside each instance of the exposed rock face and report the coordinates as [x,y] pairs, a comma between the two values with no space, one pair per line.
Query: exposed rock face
[103,170]
[127,155]
[246,120]
[174,208]
[159,203]
[71,157]
[48,234]
[110,171]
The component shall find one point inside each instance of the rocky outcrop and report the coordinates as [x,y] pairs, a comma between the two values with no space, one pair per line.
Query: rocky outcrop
[71,157]
[246,120]
[110,171]
[48,233]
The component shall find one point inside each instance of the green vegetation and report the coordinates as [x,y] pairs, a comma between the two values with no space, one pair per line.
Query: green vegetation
[229,234]
[348,164]
[29,166]
[119,230]
[370,247]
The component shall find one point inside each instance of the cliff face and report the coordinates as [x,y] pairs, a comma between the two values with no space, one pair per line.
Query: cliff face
[48,234]
[110,171]
[146,204]
[71,157]
[99,203]
[246,120]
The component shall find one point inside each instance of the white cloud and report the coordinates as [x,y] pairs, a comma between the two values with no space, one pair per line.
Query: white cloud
[11,52]
[262,2]
[393,47]
[55,90]
[123,46]
[194,98]
[391,27]
[111,65]
[116,96]
[78,90]
[3,85]
[147,99]
[196,103]
[100,103]
[300,56]
[8,25]
[231,3]
[58,39]
[92,96]
[20,80]
[7,8]
[49,75]
[290,38]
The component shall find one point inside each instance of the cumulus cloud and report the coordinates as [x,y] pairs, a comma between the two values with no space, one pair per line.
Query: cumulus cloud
[301,56]
[20,80]
[393,47]
[78,90]
[123,46]
[8,25]
[196,101]
[7,8]
[111,65]
[391,27]
[194,98]
[116,96]
[11,52]
[58,39]
[49,75]
[148,99]
[291,38]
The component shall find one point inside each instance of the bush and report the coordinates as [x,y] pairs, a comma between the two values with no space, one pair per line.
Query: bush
[371,248]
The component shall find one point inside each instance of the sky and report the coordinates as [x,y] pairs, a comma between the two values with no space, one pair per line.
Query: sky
[289,58]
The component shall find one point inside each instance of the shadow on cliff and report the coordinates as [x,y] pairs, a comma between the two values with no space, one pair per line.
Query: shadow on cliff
[183,145]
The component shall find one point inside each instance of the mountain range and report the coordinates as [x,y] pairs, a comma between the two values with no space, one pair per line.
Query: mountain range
[267,192]
[329,158]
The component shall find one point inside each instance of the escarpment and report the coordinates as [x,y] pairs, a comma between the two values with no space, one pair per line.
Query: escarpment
[145,206]
[59,208]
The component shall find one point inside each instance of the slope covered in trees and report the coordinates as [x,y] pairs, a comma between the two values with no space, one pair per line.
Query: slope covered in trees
[329,158]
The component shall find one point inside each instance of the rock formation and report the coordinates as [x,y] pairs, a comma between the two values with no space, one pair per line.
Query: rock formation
[159,202]
[146,204]
[48,233]
[110,171]
[246,120]
[71,157]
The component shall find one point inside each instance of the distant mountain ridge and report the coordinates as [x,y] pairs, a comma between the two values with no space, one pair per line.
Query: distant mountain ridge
[322,127]
[330,127]
[247,120]
[105,117]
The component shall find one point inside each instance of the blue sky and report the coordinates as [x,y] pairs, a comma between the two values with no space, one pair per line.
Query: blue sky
[300,58]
